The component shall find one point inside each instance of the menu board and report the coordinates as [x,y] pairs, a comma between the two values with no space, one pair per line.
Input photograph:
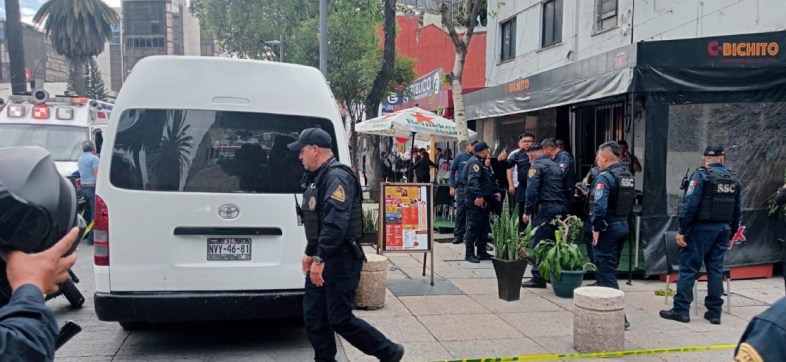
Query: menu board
[406,217]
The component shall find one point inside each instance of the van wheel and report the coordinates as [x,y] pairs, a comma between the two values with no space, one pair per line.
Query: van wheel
[131,326]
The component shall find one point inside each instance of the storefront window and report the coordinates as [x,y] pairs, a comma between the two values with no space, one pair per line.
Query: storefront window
[541,123]
[752,135]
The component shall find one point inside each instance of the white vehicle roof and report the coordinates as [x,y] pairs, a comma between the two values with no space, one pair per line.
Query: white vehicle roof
[213,83]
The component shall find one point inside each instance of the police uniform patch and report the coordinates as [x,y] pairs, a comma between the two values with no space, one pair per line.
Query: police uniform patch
[563,165]
[692,184]
[312,203]
[600,186]
[747,353]
[599,191]
[475,168]
[532,172]
[338,194]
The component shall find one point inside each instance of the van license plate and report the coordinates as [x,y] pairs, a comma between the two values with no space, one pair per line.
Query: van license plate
[228,249]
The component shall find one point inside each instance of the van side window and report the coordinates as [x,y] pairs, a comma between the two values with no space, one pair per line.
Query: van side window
[209,151]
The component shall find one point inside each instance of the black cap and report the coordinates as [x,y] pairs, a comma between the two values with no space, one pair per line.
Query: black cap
[714,150]
[480,146]
[311,136]
[536,147]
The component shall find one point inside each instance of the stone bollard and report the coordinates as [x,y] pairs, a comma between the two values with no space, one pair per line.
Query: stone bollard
[373,283]
[598,319]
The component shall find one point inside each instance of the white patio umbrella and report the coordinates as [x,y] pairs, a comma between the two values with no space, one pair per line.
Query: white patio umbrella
[414,123]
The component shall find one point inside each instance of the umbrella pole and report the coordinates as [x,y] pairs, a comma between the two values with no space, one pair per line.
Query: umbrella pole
[411,176]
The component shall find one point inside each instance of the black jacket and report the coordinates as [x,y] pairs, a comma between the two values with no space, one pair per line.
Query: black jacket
[780,199]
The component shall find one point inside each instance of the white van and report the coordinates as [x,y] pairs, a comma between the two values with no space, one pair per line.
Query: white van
[196,194]
[57,124]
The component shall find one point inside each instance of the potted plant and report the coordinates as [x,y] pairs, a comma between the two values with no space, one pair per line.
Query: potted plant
[510,247]
[370,226]
[560,260]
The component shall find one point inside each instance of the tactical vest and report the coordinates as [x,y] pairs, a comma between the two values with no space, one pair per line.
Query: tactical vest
[622,197]
[718,198]
[314,209]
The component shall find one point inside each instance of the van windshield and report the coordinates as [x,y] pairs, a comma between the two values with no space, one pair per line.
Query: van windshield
[209,151]
[63,142]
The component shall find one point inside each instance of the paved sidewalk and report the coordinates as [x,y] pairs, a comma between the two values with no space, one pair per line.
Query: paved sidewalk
[461,317]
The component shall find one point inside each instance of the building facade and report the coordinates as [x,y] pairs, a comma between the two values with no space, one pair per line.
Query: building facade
[40,57]
[667,76]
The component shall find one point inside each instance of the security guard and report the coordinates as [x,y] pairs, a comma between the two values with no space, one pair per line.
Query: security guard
[545,200]
[565,162]
[764,336]
[710,216]
[331,213]
[611,204]
[479,197]
[457,185]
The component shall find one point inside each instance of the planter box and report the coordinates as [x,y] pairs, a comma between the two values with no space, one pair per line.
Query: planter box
[370,237]
[570,280]
[509,276]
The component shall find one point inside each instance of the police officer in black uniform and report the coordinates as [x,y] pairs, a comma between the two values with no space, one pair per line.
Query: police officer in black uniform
[764,336]
[612,203]
[519,160]
[587,188]
[545,200]
[565,162]
[710,216]
[480,196]
[331,213]
[457,181]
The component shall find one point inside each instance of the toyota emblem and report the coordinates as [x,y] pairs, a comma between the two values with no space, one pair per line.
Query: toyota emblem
[229,211]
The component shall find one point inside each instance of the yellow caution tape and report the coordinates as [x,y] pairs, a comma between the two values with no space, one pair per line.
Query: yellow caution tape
[87,230]
[546,357]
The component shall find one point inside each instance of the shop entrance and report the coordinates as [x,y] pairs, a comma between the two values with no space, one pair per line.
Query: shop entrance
[592,126]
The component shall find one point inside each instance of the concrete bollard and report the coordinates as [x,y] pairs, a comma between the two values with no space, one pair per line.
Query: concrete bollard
[373,283]
[598,319]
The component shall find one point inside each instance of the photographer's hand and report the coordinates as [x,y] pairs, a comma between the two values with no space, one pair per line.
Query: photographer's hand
[46,269]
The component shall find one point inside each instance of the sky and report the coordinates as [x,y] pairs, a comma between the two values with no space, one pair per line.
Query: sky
[29,7]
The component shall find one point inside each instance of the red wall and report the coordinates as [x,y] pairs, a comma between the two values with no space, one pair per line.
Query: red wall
[432,48]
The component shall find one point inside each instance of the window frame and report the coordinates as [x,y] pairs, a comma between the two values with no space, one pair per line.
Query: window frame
[556,26]
[510,54]
[601,17]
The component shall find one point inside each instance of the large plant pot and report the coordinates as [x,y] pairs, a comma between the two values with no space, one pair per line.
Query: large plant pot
[570,280]
[509,275]
[370,237]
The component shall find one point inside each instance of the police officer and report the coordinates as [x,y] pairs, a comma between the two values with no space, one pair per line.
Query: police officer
[28,329]
[612,203]
[457,185]
[333,259]
[588,191]
[480,195]
[764,336]
[710,216]
[545,200]
[565,161]
[520,160]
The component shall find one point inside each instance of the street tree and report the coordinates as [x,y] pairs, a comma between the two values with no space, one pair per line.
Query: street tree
[92,82]
[16,50]
[467,19]
[78,30]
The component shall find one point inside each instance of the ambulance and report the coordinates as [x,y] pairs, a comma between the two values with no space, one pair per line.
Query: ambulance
[58,124]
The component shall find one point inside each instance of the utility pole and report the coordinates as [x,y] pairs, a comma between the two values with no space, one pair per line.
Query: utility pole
[323,50]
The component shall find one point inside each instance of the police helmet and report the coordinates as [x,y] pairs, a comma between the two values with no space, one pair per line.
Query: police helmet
[37,205]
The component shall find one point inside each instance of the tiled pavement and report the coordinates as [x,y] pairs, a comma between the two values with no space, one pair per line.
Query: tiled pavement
[465,319]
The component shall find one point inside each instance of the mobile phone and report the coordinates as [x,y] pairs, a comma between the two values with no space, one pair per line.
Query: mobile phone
[68,331]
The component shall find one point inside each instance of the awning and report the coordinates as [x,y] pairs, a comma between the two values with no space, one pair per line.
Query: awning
[743,62]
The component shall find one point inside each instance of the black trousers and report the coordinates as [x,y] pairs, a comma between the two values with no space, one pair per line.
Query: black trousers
[478,226]
[328,309]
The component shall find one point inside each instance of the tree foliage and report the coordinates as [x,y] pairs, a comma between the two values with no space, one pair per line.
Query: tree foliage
[78,29]
[92,83]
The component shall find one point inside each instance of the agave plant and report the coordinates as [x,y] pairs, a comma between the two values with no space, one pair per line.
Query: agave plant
[562,253]
[510,244]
